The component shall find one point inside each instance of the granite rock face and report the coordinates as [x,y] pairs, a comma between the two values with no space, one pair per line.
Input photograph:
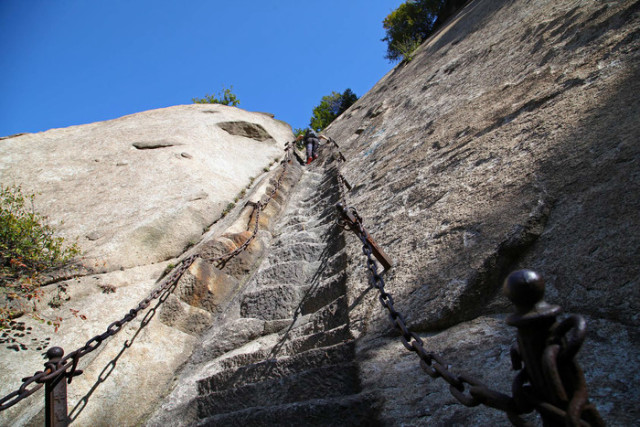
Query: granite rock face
[137,192]
[510,141]
[139,189]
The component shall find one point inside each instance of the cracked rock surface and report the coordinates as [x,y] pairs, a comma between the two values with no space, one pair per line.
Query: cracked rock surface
[282,352]
[509,141]
[138,189]
[135,191]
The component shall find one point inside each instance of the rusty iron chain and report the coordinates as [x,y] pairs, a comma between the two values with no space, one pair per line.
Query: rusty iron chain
[467,390]
[71,360]
[563,344]
[257,209]
[342,191]
[168,284]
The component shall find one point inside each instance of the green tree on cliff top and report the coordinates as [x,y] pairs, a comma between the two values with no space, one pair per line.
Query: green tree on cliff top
[330,107]
[408,26]
[225,97]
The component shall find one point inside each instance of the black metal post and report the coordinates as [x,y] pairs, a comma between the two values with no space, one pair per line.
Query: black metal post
[55,392]
[551,381]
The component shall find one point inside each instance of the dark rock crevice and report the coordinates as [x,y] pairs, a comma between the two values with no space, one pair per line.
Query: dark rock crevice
[152,145]
[246,129]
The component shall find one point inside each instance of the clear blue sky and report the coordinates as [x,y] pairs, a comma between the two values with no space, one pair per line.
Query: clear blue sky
[69,62]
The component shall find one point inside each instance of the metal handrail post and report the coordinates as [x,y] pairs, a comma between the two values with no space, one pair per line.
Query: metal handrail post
[55,392]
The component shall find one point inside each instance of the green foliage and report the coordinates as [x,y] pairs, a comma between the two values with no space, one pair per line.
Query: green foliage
[27,243]
[408,26]
[407,49]
[28,248]
[226,210]
[330,107]
[225,97]
[297,132]
[166,271]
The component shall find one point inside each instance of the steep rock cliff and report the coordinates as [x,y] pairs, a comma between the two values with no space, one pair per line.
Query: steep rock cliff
[509,141]
[136,192]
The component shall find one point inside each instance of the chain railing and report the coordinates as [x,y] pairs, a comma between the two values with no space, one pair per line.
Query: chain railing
[60,369]
[549,380]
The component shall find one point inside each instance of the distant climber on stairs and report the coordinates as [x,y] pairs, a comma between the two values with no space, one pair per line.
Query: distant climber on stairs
[311,140]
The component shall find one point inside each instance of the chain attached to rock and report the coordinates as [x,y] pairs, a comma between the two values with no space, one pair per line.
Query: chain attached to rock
[549,380]
[60,367]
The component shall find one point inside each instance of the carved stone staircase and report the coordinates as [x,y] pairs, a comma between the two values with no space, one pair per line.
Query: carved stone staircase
[295,364]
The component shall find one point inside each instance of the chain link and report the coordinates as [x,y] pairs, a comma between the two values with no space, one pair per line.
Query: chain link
[431,363]
[466,390]
[562,346]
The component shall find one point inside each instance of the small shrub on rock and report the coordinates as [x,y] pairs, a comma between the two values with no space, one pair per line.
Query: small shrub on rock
[28,247]
[225,97]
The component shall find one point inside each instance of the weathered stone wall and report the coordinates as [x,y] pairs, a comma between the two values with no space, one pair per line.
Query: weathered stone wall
[510,141]
[136,191]
[140,188]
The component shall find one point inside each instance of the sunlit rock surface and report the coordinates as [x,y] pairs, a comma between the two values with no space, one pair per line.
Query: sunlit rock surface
[509,141]
[136,192]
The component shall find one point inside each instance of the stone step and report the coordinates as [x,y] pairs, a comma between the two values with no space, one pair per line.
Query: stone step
[317,226]
[232,363]
[302,217]
[307,375]
[311,184]
[284,300]
[287,346]
[296,251]
[277,368]
[322,382]
[317,204]
[302,236]
[230,336]
[330,316]
[355,410]
[328,290]
[318,184]
[292,272]
[330,267]
[271,302]
[289,234]
[328,338]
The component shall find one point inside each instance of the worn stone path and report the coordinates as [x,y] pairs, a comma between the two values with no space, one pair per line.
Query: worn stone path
[288,353]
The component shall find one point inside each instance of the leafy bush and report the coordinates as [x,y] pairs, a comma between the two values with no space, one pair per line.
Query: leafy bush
[330,107]
[408,26]
[226,97]
[28,247]
[407,48]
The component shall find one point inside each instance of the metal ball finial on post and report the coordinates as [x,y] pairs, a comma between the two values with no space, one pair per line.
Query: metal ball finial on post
[551,381]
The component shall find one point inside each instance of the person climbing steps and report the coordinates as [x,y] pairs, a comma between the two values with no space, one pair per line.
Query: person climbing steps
[311,140]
